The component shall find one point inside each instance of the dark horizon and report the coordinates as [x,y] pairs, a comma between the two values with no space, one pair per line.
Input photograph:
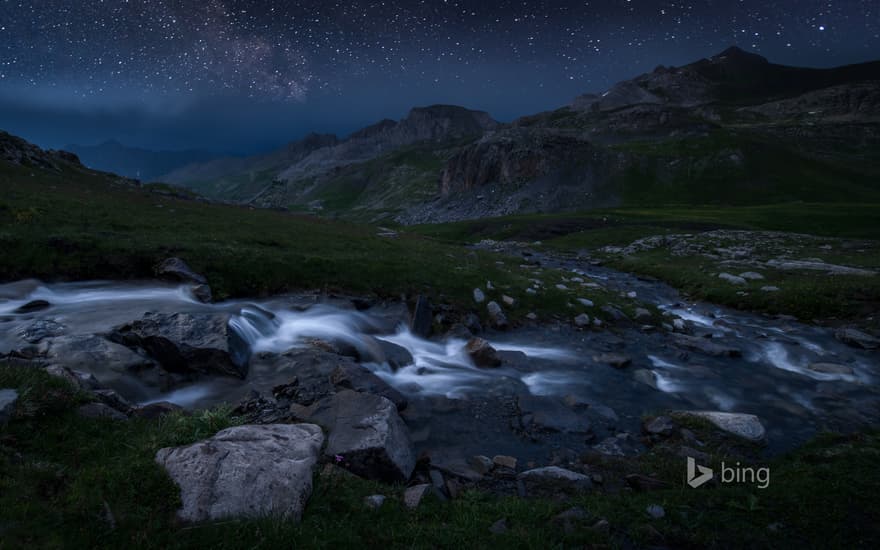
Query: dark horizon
[230,77]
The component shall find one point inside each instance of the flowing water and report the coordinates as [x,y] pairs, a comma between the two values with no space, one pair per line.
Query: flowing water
[548,370]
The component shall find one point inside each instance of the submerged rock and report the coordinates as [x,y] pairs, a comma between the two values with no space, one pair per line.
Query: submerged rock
[245,472]
[857,339]
[705,345]
[616,360]
[175,269]
[830,368]
[32,306]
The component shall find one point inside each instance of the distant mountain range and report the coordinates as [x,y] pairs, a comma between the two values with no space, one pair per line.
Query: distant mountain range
[133,162]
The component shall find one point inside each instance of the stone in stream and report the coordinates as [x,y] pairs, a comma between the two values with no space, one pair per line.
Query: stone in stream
[8,398]
[496,314]
[368,433]
[32,306]
[857,339]
[539,413]
[746,426]
[732,279]
[552,481]
[85,352]
[830,368]
[482,353]
[616,360]
[41,329]
[189,342]
[422,318]
[647,377]
[396,356]
[175,269]
[245,472]
[705,345]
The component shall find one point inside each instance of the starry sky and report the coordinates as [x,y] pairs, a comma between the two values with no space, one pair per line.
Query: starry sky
[243,76]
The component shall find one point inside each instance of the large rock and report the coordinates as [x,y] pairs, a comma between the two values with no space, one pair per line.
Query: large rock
[245,472]
[705,345]
[85,352]
[857,338]
[8,399]
[175,269]
[746,426]
[369,435]
[553,481]
[189,342]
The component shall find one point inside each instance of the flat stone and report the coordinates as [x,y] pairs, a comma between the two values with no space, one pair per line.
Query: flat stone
[830,368]
[245,472]
[553,480]
[732,279]
[751,275]
[746,426]
[616,360]
[646,377]
[546,414]
[856,338]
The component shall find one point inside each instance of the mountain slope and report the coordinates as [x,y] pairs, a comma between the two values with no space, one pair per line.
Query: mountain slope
[133,162]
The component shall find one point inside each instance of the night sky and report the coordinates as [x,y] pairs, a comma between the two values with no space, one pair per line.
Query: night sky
[245,76]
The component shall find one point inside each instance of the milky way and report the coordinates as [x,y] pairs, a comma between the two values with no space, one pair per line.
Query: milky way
[506,56]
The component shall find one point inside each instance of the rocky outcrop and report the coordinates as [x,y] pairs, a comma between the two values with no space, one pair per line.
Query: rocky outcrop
[245,472]
[15,150]
[188,342]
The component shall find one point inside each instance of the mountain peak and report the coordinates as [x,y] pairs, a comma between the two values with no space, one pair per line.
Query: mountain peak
[735,54]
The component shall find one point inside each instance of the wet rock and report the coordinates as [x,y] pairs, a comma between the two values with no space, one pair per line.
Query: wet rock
[705,345]
[175,269]
[659,425]
[643,483]
[39,330]
[616,360]
[374,502]
[482,353]
[156,410]
[8,399]
[86,351]
[857,339]
[539,413]
[422,318]
[645,376]
[497,316]
[732,279]
[32,306]
[582,320]
[396,356]
[189,342]
[99,410]
[79,379]
[366,430]
[479,296]
[113,399]
[352,376]
[751,275]
[552,481]
[245,472]
[202,293]
[746,426]
[830,368]
[504,461]
[413,496]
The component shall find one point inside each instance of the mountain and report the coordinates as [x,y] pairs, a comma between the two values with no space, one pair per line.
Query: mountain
[730,129]
[142,164]
[317,169]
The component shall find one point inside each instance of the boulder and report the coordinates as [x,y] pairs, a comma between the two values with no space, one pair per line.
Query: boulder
[422,318]
[32,306]
[830,368]
[496,315]
[857,339]
[396,356]
[189,342]
[85,352]
[482,353]
[705,345]
[175,269]
[746,426]
[245,472]
[8,398]
[552,481]
[368,433]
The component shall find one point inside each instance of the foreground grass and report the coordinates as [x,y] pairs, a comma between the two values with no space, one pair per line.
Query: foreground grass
[71,482]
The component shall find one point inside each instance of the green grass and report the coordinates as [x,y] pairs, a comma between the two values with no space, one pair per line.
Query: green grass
[63,477]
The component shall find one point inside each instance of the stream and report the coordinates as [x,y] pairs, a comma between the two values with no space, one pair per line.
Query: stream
[549,396]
